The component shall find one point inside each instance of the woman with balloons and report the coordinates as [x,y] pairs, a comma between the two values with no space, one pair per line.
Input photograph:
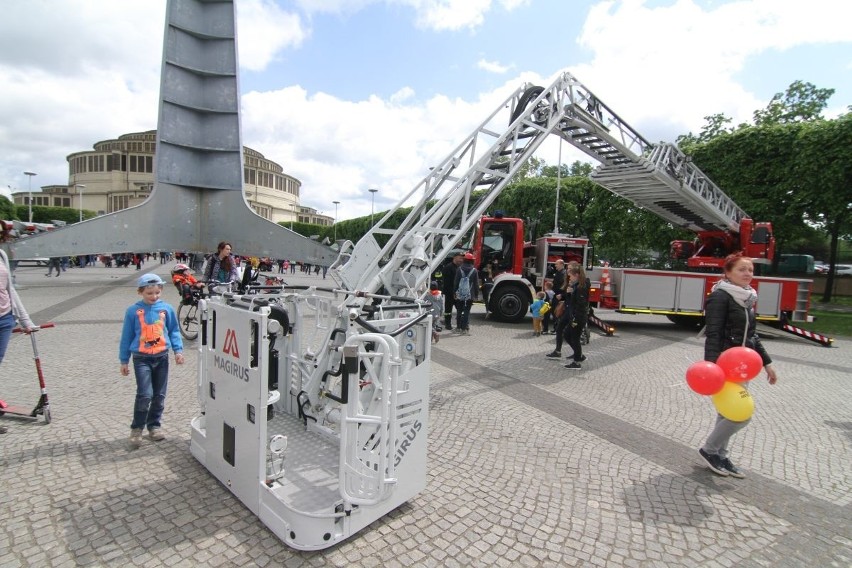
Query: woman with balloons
[733,354]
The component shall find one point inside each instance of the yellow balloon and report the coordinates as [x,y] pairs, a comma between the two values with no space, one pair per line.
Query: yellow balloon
[734,402]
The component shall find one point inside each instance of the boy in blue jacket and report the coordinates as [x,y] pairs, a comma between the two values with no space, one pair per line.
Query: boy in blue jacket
[150,330]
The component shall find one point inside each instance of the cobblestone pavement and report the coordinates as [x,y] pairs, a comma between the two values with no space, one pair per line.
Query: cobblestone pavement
[530,464]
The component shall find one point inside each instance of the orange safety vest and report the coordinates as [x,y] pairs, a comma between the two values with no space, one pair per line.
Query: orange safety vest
[151,340]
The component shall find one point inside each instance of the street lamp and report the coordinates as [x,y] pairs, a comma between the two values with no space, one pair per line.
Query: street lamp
[30,189]
[336,203]
[373,204]
[294,214]
[81,186]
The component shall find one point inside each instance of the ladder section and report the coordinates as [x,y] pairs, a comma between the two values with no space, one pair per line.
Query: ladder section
[659,178]
[451,199]
[668,184]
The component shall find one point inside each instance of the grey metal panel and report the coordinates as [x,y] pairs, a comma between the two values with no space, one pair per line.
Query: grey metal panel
[769,298]
[197,199]
[649,291]
[690,296]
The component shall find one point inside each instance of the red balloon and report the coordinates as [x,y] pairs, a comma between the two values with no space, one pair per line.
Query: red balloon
[740,364]
[705,377]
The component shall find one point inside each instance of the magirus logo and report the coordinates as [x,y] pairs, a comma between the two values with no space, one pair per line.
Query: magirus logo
[231,348]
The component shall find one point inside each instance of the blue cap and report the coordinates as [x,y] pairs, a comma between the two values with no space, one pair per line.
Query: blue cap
[148,280]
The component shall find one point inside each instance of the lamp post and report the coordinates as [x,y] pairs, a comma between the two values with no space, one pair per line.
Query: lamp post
[30,190]
[81,186]
[294,214]
[336,203]
[372,204]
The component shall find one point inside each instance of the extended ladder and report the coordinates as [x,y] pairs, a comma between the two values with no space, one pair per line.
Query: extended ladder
[459,190]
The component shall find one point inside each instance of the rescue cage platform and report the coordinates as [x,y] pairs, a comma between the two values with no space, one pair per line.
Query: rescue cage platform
[310,482]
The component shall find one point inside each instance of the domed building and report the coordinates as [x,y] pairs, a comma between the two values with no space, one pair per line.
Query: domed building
[119,174]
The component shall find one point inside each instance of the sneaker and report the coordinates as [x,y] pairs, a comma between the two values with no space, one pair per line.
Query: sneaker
[554,355]
[732,470]
[156,435]
[135,437]
[714,463]
[573,365]
[581,359]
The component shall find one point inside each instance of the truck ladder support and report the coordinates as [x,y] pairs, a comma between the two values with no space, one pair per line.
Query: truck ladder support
[823,340]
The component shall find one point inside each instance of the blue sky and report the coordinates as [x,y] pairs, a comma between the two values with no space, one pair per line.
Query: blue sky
[352,94]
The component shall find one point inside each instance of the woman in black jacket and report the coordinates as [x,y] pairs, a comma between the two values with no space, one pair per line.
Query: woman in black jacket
[730,322]
[579,300]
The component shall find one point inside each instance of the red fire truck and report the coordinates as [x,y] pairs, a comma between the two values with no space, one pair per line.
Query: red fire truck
[518,268]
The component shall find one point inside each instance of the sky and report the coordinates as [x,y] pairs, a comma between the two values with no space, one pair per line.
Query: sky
[349,95]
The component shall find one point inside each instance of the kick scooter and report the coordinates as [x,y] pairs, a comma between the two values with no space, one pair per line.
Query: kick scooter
[43,406]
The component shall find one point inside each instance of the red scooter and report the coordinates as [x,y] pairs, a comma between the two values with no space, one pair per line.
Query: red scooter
[43,406]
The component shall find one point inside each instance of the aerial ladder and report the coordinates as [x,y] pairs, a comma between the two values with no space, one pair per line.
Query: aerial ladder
[456,192]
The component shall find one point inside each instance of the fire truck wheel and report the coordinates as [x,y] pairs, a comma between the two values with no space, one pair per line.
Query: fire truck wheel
[509,304]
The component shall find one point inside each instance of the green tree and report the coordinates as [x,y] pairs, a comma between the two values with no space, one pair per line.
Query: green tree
[790,167]
[7,209]
[802,102]
[752,165]
[715,125]
[823,169]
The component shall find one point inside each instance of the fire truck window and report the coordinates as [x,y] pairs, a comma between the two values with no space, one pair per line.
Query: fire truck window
[760,236]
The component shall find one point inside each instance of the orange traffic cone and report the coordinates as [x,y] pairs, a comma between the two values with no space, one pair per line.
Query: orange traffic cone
[607,299]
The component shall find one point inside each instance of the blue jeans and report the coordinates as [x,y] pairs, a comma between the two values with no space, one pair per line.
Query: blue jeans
[7,323]
[152,379]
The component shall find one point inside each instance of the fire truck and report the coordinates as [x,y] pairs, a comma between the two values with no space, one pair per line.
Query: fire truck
[518,268]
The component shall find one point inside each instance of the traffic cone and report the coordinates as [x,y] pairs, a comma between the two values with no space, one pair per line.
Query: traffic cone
[607,299]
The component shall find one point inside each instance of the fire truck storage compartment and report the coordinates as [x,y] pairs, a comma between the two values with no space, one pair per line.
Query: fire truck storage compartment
[768,298]
[663,291]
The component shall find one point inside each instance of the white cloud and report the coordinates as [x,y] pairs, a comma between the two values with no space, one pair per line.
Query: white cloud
[438,15]
[339,149]
[449,15]
[493,66]
[264,30]
[73,73]
[656,65]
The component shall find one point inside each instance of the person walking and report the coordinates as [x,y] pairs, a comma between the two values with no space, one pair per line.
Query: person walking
[730,319]
[579,300]
[53,262]
[466,286]
[221,267]
[150,330]
[448,281]
[562,315]
[12,310]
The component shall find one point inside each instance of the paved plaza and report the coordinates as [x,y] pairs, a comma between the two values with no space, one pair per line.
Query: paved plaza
[530,464]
